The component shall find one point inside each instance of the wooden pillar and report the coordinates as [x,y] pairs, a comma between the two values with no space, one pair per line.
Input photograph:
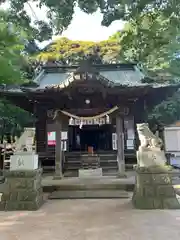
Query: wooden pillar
[120,146]
[58,153]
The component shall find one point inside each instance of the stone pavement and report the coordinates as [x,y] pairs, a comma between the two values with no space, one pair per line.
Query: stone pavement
[90,220]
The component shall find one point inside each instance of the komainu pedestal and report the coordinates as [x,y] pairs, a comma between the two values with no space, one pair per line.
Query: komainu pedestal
[153,187]
[22,190]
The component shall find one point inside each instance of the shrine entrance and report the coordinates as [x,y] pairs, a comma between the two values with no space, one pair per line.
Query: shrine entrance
[98,137]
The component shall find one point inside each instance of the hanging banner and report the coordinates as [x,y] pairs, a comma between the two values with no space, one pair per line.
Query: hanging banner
[51,138]
[114,141]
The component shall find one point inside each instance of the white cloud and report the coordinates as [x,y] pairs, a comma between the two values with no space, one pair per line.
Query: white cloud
[88,27]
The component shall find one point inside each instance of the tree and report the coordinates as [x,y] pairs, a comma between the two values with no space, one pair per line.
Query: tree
[11,49]
[67,51]
[150,37]
[152,41]
[12,119]
[60,12]
[167,112]
[36,29]
[12,59]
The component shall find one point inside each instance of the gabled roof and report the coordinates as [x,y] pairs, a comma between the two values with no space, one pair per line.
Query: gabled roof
[117,74]
[112,75]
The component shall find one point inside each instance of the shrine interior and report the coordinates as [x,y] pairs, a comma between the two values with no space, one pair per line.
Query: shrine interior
[96,136]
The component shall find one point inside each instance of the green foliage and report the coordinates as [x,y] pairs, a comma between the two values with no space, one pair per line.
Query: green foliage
[168,111]
[60,12]
[13,119]
[72,52]
[38,29]
[11,48]
[151,40]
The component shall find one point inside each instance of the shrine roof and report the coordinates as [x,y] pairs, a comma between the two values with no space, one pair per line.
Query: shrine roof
[59,77]
[114,74]
[125,75]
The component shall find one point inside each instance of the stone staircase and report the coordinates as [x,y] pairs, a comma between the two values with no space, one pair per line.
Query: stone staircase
[90,193]
[90,161]
[108,163]
[96,187]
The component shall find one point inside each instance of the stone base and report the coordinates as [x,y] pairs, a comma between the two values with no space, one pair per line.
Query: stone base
[149,157]
[22,190]
[90,173]
[154,189]
[22,161]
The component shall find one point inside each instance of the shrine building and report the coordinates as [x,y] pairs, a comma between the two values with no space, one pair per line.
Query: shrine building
[87,109]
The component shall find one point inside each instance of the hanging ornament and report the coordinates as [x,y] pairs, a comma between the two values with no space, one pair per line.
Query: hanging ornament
[71,121]
[107,119]
[81,124]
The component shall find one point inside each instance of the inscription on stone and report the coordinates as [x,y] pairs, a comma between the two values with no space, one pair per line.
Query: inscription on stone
[24,161]
[20,162]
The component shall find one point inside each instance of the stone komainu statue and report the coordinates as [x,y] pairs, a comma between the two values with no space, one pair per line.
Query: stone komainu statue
[153,187]
[147,138]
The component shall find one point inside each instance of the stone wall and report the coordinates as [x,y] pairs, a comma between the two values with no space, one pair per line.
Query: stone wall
[22,190]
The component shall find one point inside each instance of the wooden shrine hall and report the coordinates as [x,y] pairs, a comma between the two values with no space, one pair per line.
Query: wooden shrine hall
[87,109]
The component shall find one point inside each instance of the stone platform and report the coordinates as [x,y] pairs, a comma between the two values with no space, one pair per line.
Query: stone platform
[96,187]
[108,186]
[22,190]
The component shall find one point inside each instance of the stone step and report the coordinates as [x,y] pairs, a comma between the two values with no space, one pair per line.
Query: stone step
[89,194]
[88,186]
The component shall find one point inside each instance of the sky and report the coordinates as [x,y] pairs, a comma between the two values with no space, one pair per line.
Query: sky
[82,27]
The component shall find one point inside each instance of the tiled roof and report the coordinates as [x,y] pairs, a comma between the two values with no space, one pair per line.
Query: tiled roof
[53,79]
[122,75]
[125,75]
